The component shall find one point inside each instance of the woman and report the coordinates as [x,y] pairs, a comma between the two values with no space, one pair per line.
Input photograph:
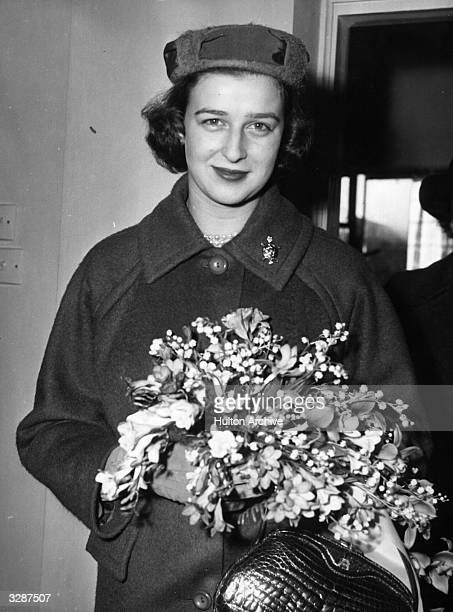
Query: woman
[224,238]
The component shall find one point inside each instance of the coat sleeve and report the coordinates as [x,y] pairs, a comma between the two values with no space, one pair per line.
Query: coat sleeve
[377,352]
[65,439]
[379,356]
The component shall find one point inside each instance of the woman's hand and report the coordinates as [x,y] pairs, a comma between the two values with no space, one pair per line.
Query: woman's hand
[172,483]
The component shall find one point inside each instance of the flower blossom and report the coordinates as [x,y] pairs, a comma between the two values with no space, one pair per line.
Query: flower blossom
[112,483]
[222,443]
[243,321]
[368,439]
[184,413]
[293,499]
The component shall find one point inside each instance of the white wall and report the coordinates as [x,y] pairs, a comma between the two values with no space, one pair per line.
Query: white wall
[34,56]
[68,65]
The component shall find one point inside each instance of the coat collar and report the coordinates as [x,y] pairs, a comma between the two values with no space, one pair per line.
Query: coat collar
[169,236]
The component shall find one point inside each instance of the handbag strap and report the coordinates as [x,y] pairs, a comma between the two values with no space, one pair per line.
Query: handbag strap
[412,579]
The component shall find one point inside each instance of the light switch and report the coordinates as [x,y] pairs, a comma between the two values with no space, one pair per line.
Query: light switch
[7,221]
[11,266]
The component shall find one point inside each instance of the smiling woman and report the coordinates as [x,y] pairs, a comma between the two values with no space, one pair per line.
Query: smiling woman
[223,239]
[233,129]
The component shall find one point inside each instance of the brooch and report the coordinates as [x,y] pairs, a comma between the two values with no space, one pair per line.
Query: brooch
[270,251]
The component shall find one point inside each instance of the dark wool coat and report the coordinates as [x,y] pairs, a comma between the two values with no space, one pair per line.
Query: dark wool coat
[423,299]
[131,288]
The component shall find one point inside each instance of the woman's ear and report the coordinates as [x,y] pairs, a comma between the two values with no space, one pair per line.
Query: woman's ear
[182,138]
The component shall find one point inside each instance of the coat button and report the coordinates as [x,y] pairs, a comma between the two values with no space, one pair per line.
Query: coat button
[202,600]
[218,264]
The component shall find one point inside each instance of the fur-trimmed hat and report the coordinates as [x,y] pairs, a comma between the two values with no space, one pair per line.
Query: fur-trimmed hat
[255,48]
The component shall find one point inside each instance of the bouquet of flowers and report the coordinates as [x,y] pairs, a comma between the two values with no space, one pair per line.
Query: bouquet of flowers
[297,443]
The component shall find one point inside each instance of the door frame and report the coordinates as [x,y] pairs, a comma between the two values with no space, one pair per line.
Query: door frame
[335,15]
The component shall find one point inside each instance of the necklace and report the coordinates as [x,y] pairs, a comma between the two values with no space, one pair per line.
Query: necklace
[218,240]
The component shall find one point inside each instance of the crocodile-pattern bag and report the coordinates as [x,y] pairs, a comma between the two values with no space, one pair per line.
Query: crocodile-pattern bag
[291,571]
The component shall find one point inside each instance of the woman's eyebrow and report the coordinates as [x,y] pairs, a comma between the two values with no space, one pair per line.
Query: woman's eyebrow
[220,113]
[269,115]
[211,111]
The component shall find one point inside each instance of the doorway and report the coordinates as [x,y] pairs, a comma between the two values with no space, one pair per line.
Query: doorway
[394,83]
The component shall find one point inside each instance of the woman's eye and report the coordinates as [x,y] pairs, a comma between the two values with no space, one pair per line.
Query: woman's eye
[260,128]
[213,122]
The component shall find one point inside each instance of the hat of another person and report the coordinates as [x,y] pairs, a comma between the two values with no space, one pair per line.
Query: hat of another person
[436,194]
[255,48]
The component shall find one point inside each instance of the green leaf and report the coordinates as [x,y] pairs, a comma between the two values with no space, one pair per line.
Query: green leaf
[187,332]
[448,543]
[425,508]
[409,537]
[349,423]
[376,420]
[364,407]
[320,417]
[421,560]
[445,557]
[388,452]
[439,582]
[412,452]
[397,437]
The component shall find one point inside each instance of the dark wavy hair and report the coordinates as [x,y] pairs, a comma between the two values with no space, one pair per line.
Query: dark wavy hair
[165,118]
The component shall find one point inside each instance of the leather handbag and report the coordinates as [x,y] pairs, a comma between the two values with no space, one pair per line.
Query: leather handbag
[300,571]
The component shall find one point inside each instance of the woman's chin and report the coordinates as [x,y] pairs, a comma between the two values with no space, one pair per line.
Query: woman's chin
[233,195]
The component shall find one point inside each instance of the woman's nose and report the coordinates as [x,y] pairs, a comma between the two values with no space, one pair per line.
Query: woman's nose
[234,147]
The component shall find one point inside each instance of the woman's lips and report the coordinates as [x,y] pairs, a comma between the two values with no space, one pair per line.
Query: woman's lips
[230,175]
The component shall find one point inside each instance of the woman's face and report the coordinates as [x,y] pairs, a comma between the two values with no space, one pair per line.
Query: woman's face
[233,128]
